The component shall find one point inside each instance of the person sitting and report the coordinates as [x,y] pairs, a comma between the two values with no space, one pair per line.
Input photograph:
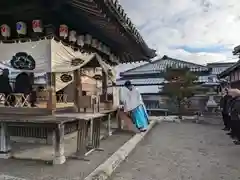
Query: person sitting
[5,87]
[23,84]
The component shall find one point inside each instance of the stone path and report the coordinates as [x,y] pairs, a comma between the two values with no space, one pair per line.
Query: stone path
[183,151]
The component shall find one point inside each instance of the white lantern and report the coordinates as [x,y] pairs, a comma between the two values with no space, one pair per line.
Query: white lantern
[111,57]
[94,43]
[5,30]
[99,47]
[72,36]
[63,31]
[80,40]
[98,71]
[108,50]
[88,39]
[21,28]
[104,48]
[118,59]
[37,26]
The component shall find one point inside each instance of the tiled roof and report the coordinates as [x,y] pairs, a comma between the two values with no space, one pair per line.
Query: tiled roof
[159,81]
[148,81]
[218,68]
[229,70]
[161,64]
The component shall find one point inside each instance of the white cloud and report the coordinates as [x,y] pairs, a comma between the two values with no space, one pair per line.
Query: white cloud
[167,23]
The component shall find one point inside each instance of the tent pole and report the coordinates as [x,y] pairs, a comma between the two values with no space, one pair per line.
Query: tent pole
[77,89]
[51,89]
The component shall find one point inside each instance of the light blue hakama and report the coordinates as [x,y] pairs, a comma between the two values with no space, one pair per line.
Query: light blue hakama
[140,117]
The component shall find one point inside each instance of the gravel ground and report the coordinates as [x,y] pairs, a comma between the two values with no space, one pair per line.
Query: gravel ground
[184,151]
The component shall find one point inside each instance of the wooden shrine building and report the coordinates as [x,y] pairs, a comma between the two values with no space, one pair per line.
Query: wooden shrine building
[66,35]
[57,41]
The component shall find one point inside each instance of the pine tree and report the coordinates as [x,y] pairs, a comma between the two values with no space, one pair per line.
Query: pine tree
[180,86]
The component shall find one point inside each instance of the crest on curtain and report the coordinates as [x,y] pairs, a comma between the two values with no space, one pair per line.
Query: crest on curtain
[77,62]
[66,78]
[23,61]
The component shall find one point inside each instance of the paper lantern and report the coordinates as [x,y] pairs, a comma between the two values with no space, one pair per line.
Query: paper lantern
[63,31]
[99,46]
[98,71]
[111,57]
[94,43]
[21,28]
[80,40]
[37,26]
[104,48]
[72,36]
[88,39]
[108,51]
[5,30]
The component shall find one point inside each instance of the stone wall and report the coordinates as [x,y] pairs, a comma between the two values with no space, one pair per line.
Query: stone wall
[197,102]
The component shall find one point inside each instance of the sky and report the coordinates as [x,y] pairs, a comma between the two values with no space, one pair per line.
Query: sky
[199,31]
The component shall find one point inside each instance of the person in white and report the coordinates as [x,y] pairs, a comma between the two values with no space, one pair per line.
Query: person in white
[132,100]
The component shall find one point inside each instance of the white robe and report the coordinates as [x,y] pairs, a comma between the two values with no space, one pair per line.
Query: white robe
[131,99]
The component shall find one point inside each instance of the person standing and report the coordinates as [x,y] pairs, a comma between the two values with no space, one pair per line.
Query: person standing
[134,108]
[224,105]
[235,119]
[5,87]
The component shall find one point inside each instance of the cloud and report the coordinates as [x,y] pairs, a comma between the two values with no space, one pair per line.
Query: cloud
[208,49]
[194,24]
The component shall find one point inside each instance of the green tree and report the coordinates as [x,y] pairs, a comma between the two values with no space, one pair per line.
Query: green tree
[180,86]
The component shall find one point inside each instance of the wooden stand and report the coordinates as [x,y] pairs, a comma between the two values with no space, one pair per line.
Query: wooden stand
[77,89]
[104,86]
[51,102]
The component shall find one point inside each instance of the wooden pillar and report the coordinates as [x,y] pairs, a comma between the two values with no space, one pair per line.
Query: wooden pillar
[104,86]
[77,89]
[51,88]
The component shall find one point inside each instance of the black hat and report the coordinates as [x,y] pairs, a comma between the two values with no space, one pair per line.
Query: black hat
[127,83]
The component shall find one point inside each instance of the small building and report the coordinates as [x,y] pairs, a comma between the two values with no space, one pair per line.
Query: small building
[148,78]
[232,74]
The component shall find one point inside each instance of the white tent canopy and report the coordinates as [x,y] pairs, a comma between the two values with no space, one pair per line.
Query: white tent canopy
[50,56]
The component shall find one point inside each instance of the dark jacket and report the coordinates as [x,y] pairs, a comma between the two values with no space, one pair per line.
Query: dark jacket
[225,103]
[23,84]
[235,109]
[5,86]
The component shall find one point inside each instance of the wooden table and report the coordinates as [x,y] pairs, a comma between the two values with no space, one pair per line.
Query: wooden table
[85,144]
[56,124]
